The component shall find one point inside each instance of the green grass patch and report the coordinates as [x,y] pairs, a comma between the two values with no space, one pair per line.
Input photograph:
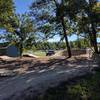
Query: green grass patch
[81,88]
[39,53]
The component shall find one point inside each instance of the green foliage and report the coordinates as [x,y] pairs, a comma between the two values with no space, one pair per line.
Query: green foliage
[83,14]
[83,88]
[81,43]
[78,91]
[4,44]
[21,31]
[6,11]
[79,16]
[50,45]
[39,53]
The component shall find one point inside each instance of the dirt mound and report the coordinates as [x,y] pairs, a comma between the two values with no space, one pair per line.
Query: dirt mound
[30,55]
[6,58]
[58,53]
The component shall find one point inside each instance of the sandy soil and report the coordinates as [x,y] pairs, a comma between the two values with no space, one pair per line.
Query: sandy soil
[38,73]
[24,64]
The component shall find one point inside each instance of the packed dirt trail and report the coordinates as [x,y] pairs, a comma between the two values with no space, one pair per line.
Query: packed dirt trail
[36,75]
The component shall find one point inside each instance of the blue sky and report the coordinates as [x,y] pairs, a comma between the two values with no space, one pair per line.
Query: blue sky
[22,6]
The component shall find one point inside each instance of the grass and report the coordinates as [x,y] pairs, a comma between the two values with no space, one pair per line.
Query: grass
[41,53]
[37,53]
[81,88]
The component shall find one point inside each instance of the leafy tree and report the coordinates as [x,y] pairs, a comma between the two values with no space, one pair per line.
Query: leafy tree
[47,14]
[83,43]
[85,13]
[21,31]
[6,11]
[43,18]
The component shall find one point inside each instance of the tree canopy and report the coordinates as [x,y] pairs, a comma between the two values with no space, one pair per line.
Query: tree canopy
[48,18]
[6,11]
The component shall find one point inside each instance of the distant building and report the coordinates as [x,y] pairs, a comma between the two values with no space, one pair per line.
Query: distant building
[12,51]
[9,50]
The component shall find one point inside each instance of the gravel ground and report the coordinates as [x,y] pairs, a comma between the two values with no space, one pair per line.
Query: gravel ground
[39,74]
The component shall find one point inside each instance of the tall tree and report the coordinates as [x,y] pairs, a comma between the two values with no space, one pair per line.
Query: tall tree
[93,18]
[87,15]
[22,31]
[47,14]
[6,11]
[60,15]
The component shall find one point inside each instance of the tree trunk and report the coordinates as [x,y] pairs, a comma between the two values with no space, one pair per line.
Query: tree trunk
[21,49]
[64,29]
[65,36]
[93,34]
[78,42]
[94,40]
[20,43]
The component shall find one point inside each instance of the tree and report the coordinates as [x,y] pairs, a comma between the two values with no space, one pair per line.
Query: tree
[83,14]
[87,17]
[43,18]
[62,12]
[21,31]
[6,11]
[47,14]
[93,18]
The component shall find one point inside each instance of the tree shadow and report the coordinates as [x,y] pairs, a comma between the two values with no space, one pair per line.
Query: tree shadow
[15,64]
[33,64]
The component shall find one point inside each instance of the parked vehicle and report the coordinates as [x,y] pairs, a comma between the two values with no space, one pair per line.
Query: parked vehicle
[50,52]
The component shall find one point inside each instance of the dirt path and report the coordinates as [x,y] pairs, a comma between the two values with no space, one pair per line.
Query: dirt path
[40,75]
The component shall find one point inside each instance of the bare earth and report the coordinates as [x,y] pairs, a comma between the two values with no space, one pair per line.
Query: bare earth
[26,64]
[38,73]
